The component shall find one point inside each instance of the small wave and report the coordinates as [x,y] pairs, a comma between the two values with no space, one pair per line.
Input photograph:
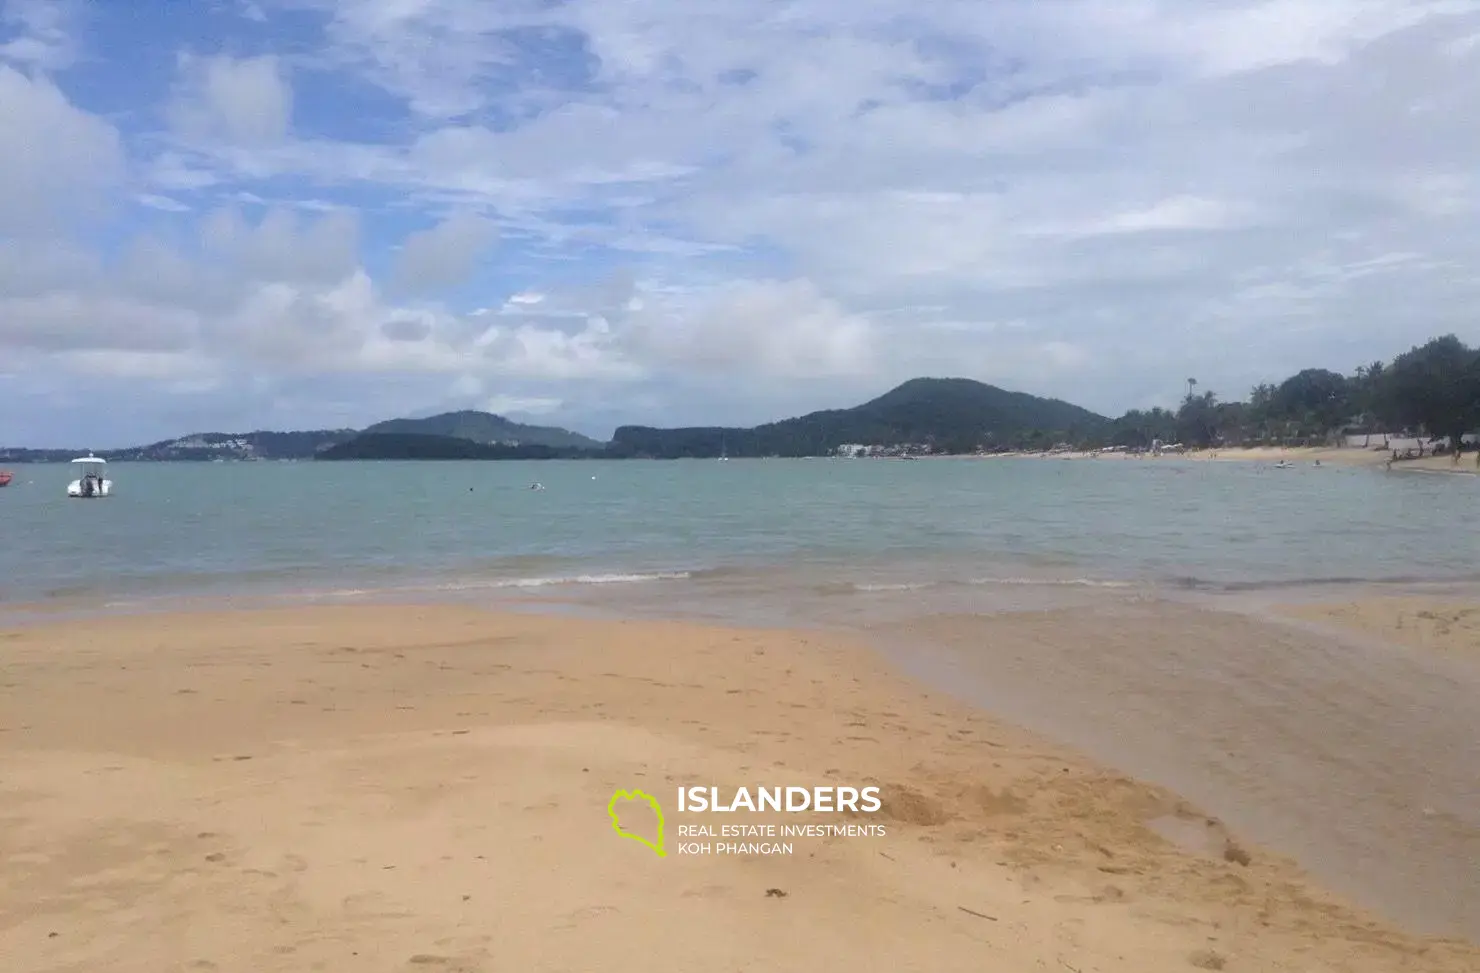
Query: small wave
[845,588]
[1284,584]
[334,593]
[859,587]
[485,584]
[581,579]
[1055,582]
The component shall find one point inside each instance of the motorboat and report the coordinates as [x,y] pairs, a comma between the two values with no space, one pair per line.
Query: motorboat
[5,478]
[93,483]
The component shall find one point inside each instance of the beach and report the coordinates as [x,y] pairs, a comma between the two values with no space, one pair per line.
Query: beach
[1345,456]
[426,787]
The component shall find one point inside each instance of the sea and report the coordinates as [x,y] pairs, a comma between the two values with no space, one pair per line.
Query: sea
[1360,761]
[794,537]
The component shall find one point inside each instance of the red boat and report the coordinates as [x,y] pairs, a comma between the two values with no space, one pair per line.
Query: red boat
[5,478]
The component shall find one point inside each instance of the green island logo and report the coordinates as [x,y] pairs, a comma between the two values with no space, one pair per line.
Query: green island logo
[611,810]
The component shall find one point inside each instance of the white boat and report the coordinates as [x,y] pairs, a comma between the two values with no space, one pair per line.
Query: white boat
[92,483]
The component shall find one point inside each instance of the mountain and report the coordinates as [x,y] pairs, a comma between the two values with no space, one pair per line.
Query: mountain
[262,444]
[486,428]
[415,445]
[953,415]
[950,414]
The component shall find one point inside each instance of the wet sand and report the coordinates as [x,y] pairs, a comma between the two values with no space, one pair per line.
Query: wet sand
[1358,756]
[1448,627]
[426,788]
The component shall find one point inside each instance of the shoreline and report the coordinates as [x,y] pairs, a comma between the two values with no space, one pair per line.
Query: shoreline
[319,735]
[673,594]
[1348,457]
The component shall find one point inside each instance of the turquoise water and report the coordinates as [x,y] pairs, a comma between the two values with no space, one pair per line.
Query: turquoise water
[838,527]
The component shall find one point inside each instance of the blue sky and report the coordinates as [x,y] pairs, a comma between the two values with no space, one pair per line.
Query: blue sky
[298,213]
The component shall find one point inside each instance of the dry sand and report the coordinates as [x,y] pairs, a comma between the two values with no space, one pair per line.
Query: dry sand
[394,788]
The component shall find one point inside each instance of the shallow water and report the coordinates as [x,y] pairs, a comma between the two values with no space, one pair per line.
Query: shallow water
[841,527]
[1360,760]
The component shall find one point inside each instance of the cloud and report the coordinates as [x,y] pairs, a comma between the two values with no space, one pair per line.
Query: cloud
[770,328]
[738,210]
[40,33]
[445,255]
[506,404]
[244,102]
[56,162]
[283,245]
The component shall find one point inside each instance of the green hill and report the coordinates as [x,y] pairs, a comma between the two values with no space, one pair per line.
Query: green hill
[486,428]
[412,445]
[951,414]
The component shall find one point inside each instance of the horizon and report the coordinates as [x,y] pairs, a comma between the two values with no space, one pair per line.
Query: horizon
[285,214]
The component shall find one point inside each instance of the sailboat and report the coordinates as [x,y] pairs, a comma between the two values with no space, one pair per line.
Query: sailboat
[724,453]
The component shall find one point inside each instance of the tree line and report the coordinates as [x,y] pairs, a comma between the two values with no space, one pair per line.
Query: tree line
[1432,389]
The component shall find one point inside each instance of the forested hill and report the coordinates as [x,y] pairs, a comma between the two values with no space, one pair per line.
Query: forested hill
[410,445]
[487,428]
[953,414]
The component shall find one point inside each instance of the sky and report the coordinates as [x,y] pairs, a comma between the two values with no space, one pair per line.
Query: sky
[228,215]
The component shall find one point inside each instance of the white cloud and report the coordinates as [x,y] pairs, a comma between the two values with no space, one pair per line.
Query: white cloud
[245,102]
[783,328]
[165,203]
[322,249]
[56,162]
[41,33]
[445,255]
[1171,214]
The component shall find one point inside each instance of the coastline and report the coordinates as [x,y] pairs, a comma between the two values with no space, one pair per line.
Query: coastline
[275,788]
[1344,456]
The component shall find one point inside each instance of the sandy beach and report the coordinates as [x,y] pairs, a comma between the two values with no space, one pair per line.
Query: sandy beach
[1300,455]
[1339,456]
[426,788]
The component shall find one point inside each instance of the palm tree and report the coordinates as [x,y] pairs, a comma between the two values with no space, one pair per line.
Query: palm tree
[1368,378]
